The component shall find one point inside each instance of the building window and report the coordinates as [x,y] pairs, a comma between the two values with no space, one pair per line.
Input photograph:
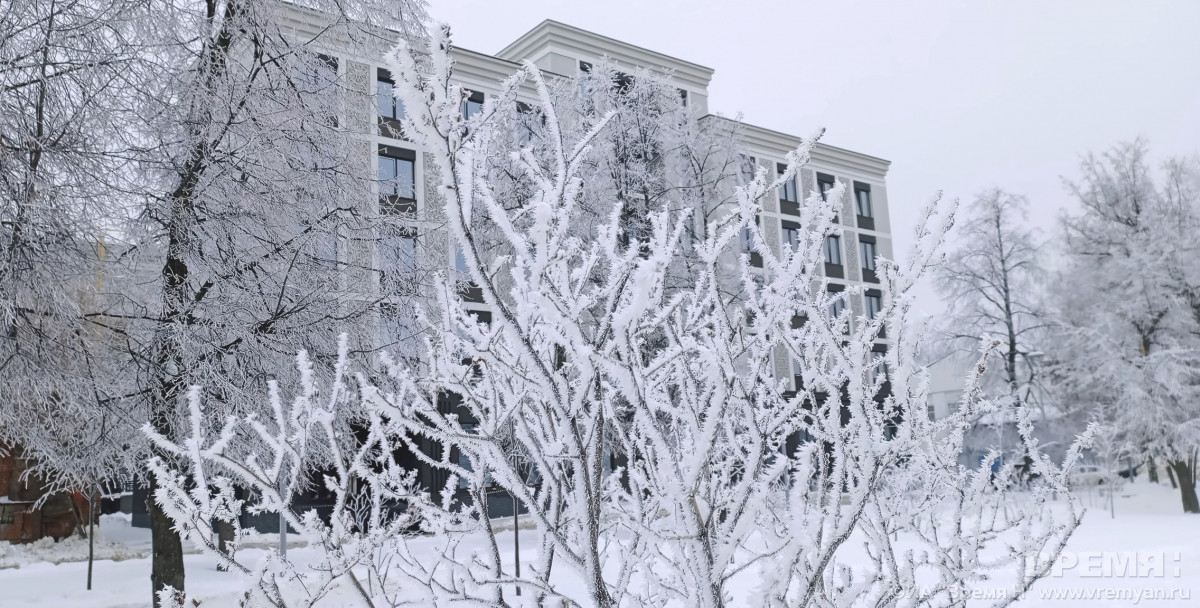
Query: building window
[397,258]
[791,235]
[389,107]
[874,304]
[787,191]
[833,249]
[747,243]
[460,265]
[862,196]
[824,185]
[797,373]
[837,307]
[866,251]
[585,67]
[529,123]
[879,369]
[318,76]
[472,105]
[747,168]
[8,514]
[397,181]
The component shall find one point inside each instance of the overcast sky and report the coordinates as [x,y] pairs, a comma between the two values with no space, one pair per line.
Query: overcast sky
[959,95]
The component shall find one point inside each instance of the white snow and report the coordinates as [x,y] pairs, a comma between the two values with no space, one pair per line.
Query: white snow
[1148,526]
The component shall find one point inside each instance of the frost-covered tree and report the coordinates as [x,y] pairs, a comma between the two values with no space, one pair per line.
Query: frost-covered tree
[636,415]
[181,182]
[1129,343]
[70,72]
[256,175]
[992,283]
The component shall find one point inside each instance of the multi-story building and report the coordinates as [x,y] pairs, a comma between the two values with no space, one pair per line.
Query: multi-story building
[407,179]
[564,50]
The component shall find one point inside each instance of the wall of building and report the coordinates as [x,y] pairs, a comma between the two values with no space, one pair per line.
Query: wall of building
[20,520]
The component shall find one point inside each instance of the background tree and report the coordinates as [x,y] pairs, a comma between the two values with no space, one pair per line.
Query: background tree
[1129,341]
[181,182]
[70,73]
[255,172]
[992,282]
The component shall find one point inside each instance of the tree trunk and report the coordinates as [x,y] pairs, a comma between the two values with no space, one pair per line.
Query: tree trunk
[1151,470]
[1187,485]
[1171,476]
[166,566]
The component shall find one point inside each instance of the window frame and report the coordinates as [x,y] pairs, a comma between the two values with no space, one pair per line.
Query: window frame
[478,98]
[786,192]
[394,203]
[869,297]
[398,112]
[867,261]
[861,189]
[786,227]
[833,243]
[823,179]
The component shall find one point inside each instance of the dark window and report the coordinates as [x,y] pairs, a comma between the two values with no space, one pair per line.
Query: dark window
[683,97]
[862,197]
[833,249]
[464,461]
[791,234]
[472,105]
[318,75]
[866,251]
[529,123]
[315,81]
[8,514]
[837,307]
[787,191]
[389,106]
[824,185]
[622,82]
[585,67]
[397,181]
[747,242]
[797,373]
[879,370]
[874,304]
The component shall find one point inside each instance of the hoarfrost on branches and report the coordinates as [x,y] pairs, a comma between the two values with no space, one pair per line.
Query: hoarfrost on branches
[624,393]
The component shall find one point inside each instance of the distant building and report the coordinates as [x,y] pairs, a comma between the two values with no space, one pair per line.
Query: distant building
[21,518]
[947,376]
[407,183]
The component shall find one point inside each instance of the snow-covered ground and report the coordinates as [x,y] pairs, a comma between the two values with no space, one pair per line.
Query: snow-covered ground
[1149,555]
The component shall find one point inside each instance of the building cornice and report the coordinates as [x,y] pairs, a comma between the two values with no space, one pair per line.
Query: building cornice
[550,33]
[780,144]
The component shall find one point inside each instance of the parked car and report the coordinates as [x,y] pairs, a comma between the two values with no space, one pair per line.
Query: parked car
[1088,475]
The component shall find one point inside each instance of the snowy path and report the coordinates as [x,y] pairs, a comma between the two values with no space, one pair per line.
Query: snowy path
[1148,527]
